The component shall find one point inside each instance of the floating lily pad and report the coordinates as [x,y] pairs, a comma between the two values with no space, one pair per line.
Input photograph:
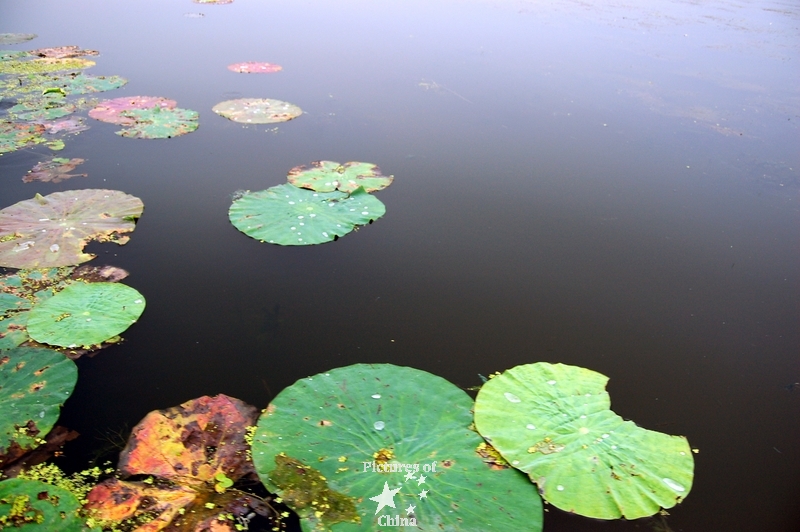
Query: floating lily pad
[15,136]
[34,383]
[257,111]
[347,435]
[292,216]
[47,107]
[327,176]
[55,170]
[68,126]
[43,65]
[85,314]
[188,448]
[21,291]
[33,506]
[553,422]
[111,110]
[52,230]
[159,123]
[15,38]
[62,52]
[255,68]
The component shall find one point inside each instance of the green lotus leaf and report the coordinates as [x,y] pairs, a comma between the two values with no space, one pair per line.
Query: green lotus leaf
[257,110]
[159,123]
[15,136]
[52,230]
[12,54]
[553,422]
[292,216]
[15,38]
[46,107]
[34,383]
[327,176]
[353,447]
[34,506]
[85,314]
[43,65]
[86,83]
[21,291]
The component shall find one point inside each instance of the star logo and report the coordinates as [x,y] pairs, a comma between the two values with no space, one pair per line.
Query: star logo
[420,480]
[386,498]
[422,495]
[409,476]
[410,509]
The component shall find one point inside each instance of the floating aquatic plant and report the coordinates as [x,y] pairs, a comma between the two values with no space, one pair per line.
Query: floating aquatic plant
[554,422]
[257,110]
[292,216]
[327,176]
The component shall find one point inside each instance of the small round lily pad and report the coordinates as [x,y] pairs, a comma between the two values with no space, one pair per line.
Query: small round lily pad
[111,110]
[85,314]
[252,67]
[257,110]
[554,422]
[327,176]
[292,216]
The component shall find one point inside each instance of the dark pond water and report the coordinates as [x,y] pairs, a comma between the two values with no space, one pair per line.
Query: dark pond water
[612,185]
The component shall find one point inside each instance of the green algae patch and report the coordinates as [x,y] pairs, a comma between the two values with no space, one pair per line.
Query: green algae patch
[306,491]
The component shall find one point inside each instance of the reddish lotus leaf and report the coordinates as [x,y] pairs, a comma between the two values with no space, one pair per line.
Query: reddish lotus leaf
[67,126]
[254,68]
[193,441]
[49,231]
[117,500]
[111,110]
[63,52]
[55,170]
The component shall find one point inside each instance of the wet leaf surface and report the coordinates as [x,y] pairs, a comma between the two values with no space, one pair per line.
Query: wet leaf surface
[55,170]
[292,216]
[15,38]
[187,448]
[327,176]
[53,445]
[554,422]
[159,123]
[85,314]
[253,67]
[34,384]
[34,506]
[52,230]
[257,111]
[111,110]
[348,433]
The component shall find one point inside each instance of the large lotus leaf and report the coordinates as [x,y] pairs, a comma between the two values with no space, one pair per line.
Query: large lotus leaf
[255,68]
[63,52]
[53,171]
[331,446]
[52,230]
[197,440]
[159,123]
[43,65]
[111,110]
[22,290]
[553,422]
[257,111]
[15,38]
[174,507]
[327,176]
[14,136]
[33,506]
[292,216]
[34,383]
[85,314]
